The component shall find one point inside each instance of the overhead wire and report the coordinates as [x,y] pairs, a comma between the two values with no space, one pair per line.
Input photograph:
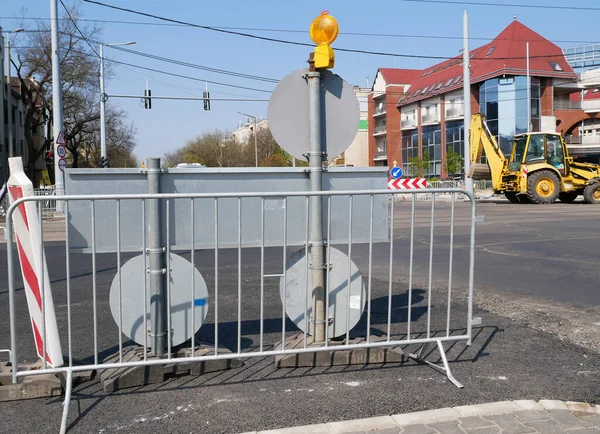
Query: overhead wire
[271,30]
[150,69]
[296,43]
[506,5]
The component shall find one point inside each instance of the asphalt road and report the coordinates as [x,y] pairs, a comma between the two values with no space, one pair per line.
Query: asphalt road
[526,256]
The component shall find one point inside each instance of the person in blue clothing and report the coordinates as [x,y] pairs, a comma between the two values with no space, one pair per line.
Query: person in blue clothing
[551,156]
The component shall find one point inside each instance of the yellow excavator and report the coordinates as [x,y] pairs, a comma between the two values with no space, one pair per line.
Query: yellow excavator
[539,168]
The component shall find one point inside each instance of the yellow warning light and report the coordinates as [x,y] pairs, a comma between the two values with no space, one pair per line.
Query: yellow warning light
[323,31]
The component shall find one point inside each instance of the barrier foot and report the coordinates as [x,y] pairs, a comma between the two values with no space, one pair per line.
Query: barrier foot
[67,403]
[444,369]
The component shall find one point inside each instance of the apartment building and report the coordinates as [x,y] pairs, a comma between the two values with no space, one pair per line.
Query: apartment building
[421,112]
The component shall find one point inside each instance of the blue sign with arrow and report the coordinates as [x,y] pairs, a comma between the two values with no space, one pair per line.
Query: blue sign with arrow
[396,172]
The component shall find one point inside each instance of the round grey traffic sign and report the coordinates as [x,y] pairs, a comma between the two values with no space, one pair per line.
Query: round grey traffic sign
[185,303]
[298,293]
[288,114]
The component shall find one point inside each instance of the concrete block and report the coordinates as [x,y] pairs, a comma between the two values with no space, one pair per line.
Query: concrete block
[37,386]
[372,423]
[341,357]
[490,408]
[428,416]
[528,404]
[552,404]
[125,377]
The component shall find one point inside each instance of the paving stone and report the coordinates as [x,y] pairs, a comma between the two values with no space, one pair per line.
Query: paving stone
[530,415]
[450,427]
[382,422]
[546,426]
[425,417]
[501,407]
[592,418]
[553,404]
[508,423]
[566,419]
[387,431]
[474,422]
[417,429]
[486,430]
[528,404]
[584,431]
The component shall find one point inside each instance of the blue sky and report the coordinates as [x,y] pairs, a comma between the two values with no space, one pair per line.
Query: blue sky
[170,123]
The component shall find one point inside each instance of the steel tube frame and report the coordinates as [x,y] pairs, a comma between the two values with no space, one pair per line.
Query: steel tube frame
[156,267]
[317,247]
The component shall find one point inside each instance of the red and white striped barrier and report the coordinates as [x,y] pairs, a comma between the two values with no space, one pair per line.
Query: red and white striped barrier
[407,184]
[33,266]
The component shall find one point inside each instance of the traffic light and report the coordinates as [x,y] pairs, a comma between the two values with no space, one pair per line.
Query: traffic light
[206,96]
[49,158]
[147,99]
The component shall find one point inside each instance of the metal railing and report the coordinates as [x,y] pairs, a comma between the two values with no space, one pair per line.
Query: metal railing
[560,104]
[380,128]
[482,189]
[49,203]
[429,118]
[388,309]
[408,123]
[455,112]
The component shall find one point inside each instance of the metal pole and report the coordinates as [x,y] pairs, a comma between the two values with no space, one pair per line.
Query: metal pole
[103,153]
[9,101]
[528,93]
[156,262]
[317,246]
[467,101]
[255,145]
[57,107]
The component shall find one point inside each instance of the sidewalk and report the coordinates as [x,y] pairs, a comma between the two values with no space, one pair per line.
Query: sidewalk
[514,417]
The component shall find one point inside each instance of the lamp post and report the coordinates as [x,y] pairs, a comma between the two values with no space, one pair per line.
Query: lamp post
[255,145]
[9,94]
[103,153]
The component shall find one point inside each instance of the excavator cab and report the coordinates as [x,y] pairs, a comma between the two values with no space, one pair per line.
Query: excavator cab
[534,148]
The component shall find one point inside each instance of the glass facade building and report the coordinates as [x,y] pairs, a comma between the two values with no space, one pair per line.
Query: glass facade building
[503,101]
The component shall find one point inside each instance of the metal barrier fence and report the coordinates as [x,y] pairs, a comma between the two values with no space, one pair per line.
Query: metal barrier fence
[49,203]
[251,290]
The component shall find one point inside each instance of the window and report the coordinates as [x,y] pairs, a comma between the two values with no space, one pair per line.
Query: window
[449,82]
[490,51]
[439,85]
[555,66]
[425,90]
[457,79]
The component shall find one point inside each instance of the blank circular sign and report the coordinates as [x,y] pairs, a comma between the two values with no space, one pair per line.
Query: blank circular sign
[185,303]
[288,114]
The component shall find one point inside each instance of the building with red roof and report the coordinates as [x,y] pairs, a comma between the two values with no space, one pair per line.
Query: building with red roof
[418,114]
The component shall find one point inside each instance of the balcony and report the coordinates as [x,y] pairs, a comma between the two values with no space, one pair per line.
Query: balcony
[379,129]
[591,106]
[408,123]
[591,78]
[455,112]
[560,104]
[380,155]
[429,118]
[380,107]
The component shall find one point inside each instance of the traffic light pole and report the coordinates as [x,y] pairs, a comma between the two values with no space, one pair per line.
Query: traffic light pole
[317,246]
[57,107]
[103,153]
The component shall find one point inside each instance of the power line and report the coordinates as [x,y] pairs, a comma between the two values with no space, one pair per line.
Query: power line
[505,5]
[283,41]
[192,65]
[149,69]
[261,29]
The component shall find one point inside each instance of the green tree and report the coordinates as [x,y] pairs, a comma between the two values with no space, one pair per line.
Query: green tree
[454,162]
[419,165]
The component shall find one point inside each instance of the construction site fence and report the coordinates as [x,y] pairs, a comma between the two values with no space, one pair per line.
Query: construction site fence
[247,313]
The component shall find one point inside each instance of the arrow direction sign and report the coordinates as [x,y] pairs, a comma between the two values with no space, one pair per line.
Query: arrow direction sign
[396,172]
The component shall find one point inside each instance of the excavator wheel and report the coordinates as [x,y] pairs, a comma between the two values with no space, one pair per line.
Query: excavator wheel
[591,193]
[523,198]
[543,186]
[512,197]
[567,197]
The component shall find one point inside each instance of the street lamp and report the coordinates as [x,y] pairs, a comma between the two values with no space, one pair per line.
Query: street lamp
[255,145]
[103,153]
[9,94]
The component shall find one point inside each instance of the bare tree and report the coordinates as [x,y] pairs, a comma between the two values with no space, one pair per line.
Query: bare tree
[79,75]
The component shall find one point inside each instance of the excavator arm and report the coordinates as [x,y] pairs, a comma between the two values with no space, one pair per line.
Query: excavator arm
[480,141]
